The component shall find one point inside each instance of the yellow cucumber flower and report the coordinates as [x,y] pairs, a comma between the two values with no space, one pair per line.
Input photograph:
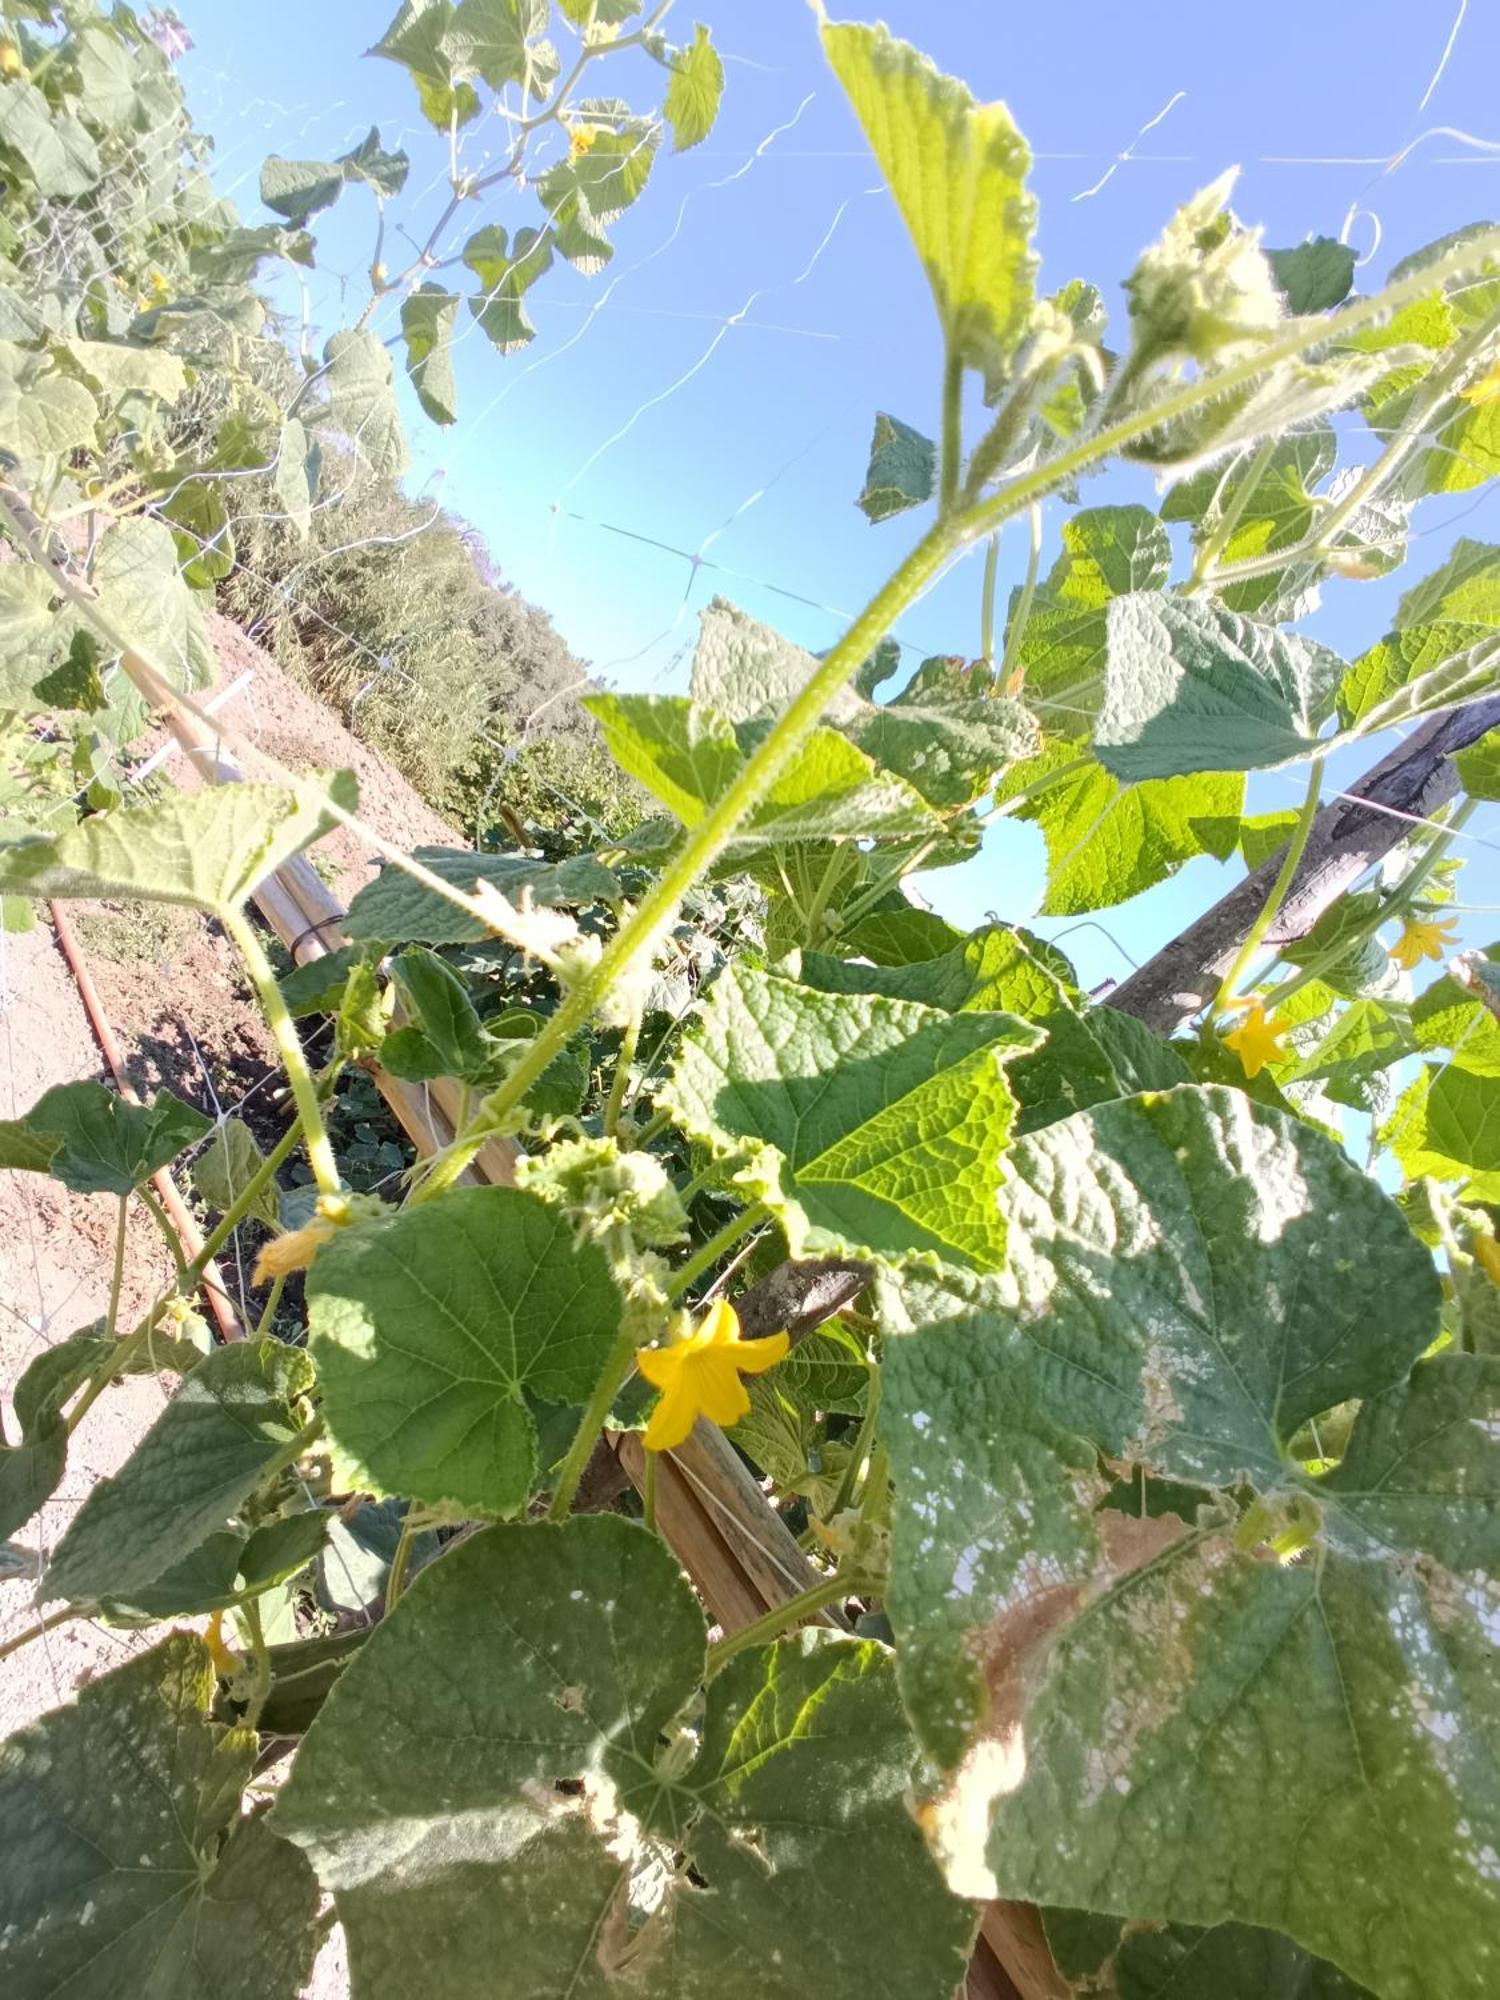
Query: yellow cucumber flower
[295,1250]
[699,1376]
[1487,1256]
[1257,1041]
[1486,389]
[10,59]
[1423,937]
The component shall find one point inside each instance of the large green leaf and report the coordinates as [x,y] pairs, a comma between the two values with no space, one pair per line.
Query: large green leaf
[197,1465]
[362,400]
[427,317]
[499,40]
[225,1568]
[957,171]
[42,413]
[1447,1124]
[55,149]
[1173,1961]
[877,1124]
[1315,275]
[1192,687]
[418,39]
[294,480]
[1060,650]
[28,634]
[208,848]
[298,189]
[95,1142]
[688,756]
[946,735]
[591,187]
[902,471]
[506,268]
[1449,1016]
[998,970]
[692,100]
[426,1793]
[1106,841]
[143,592]
[1438,621]
[429,1328]
[1170,1717]
[129,1869]
[395,909]
[226,1167]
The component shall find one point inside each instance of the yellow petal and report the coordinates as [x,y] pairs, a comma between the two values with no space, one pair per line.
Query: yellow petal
[661,1366]
[672,1420]
[292,1252]
[721,1325]
[719,1392]
[1487,1256]
[1486,389]
[224,1660]
[754,1357]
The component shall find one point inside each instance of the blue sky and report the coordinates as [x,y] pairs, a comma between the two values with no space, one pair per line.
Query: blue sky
[713,390]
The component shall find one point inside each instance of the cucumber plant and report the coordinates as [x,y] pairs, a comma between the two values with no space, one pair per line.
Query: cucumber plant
[1157,1457]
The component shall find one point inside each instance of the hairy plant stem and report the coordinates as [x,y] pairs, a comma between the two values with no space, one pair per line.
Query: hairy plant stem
[591,1424]
[241,934]
[1217,540]
[826,886]
[163,1223]
[1319,544]
[648,1492]
[951,463]
[864,1445]
[395,1582]
[1291,861]
[716,1249]
[62,1616]
[620,1082]
[117,1272]
[987,600]
[1016,632]
[250,1612]
[268,1311]
[781,1618]
[247,1199]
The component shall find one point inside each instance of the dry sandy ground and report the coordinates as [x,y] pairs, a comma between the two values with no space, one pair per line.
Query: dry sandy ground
[184,1021]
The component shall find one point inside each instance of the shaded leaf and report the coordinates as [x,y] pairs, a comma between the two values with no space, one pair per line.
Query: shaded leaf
[1315,276]
[902,471]
[206,1453]
[537,1654]
[362,400]
[1192,687]
[427,317]
[130,1869]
